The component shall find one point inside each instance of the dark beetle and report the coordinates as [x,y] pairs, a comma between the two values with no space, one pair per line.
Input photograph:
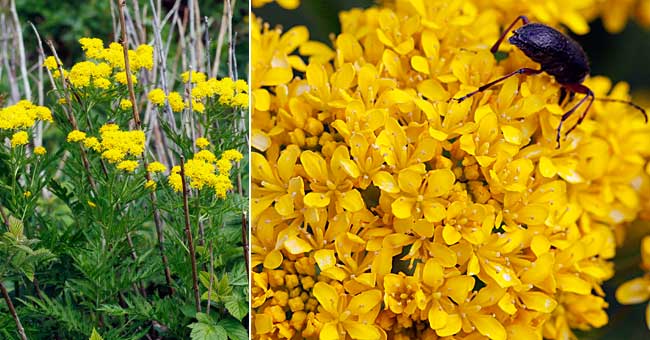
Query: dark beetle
[559,56]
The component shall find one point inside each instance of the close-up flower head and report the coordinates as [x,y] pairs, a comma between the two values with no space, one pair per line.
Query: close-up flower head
[445,169]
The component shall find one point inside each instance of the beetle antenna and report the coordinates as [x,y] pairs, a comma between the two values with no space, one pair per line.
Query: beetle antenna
[611,100]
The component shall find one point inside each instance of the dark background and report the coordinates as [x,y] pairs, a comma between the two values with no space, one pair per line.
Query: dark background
[623,56]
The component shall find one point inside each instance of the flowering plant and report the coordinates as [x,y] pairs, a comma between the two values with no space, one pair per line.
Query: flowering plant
[381,209]
[126,218]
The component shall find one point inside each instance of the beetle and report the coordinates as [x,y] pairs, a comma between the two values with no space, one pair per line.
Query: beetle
[559,56]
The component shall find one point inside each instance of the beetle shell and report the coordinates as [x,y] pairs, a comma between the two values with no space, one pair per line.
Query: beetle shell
[559,55]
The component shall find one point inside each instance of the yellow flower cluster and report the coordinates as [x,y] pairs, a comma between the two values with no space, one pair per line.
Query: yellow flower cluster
[231,93]
[382,210]
[115,145]
[205,170]
[106,63]
[23,115]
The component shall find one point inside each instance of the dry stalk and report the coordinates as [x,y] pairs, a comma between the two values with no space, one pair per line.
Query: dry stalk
[138,124]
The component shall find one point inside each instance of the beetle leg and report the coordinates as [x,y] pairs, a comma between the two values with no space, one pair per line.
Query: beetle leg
[579,88]
[523,19]
[563,93]
[525,70]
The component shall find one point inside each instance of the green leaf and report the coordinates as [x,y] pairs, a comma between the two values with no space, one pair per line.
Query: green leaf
[95,336]
[236,306]
[203,331]
[16,228]
[238,276]
[235,329]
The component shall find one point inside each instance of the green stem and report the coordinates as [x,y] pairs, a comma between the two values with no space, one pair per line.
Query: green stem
[190,242]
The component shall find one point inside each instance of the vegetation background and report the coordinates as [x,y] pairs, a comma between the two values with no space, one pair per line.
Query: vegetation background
[621,57]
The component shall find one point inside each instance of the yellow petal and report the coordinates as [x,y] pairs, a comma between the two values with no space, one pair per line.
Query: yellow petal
[364,302]
[261,100]
[329,332]
[316,200]
[402,207]
[409,181]
[634,291]
[573,283]
[314,166]
[352,200]
[325,258]
[489,326]
[432,90]
[437,317]
[277,76]
[386,182]
[327,296]
[273,259]
[433,211]
[450,234]
[439,182]
[506,303]
[452,327]
[296,245]
[360,331]
[538,301]
[432,274]
[458,287]
[546,167]
[420,64]
[511,134]
[473,267]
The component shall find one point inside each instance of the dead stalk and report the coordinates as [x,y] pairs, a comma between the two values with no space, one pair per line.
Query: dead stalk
[138,124]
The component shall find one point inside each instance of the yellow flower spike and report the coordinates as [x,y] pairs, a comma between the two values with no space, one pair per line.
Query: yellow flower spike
[19,138]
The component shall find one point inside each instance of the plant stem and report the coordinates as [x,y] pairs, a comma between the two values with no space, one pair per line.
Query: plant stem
[188,233]
[12,310]
[211,278]
[138,125]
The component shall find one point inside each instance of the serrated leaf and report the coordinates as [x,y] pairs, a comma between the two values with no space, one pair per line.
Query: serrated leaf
[235,329]
[224,288]
[202,331]
[95,336]
[236,306]
[16,228]
[238,276]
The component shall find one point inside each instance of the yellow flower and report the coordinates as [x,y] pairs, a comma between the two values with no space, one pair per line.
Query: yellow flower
[92,143]
[23,115]
[92,46]
[120,77]
[19,138]
[50,63]
[232,155]
[27,194]
[150,184]
[125,104]
[197,77]
[40,151]
[91,204]
[144,56]
[76,136]
[202,142]
[156,96]
[351,315]
[156,167]
[128,165]
[286,4]
[175,181]
[175,101]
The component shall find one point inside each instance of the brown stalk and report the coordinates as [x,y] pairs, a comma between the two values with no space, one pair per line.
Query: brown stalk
[12,310]
[138,124]
[190,242]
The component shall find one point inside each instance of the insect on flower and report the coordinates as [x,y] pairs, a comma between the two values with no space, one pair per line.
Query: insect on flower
[561,57]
